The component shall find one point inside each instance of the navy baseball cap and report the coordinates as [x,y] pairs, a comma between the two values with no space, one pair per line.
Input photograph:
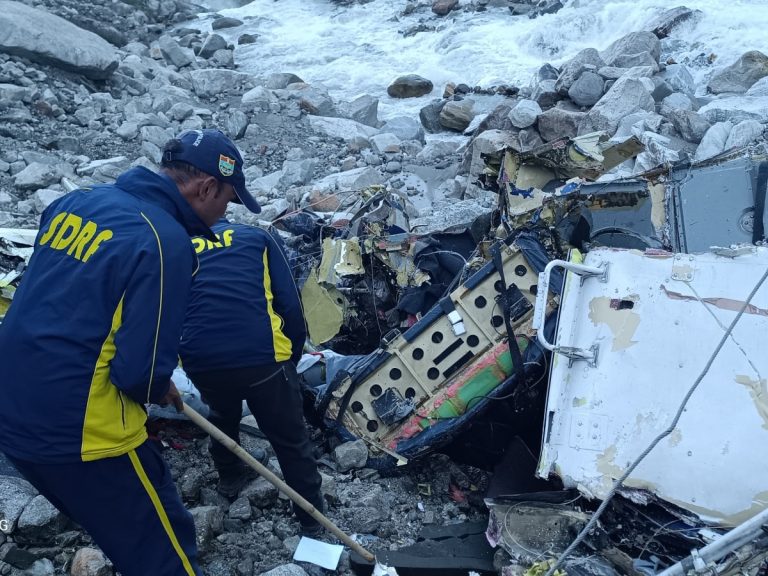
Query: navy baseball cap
[212,152]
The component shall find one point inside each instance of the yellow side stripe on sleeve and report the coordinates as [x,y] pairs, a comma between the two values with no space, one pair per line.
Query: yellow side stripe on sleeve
[160,511]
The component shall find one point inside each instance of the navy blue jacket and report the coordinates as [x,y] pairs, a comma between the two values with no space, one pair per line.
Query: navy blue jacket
[244,309]
[93,330]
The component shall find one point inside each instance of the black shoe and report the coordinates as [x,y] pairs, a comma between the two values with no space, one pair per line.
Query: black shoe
[232,480]
[312,530]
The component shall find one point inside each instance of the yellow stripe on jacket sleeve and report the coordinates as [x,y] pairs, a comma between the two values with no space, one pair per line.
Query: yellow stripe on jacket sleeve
[159,307]
[161,513]
[280,342]
[113,423]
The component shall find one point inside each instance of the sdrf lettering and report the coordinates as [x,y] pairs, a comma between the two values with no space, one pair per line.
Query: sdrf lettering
[225,239]
[68,232]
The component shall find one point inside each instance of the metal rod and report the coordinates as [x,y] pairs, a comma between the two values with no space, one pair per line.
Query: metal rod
[266,473]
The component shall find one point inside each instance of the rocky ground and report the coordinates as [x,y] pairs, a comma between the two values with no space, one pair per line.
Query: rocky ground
[75,117]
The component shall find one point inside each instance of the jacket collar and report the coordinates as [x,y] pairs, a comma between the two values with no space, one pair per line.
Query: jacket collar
[161,190]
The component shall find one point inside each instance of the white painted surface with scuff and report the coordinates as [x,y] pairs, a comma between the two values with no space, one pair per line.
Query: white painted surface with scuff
[657,320]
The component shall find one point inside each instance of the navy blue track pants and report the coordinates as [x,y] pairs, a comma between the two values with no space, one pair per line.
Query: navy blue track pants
[130,507]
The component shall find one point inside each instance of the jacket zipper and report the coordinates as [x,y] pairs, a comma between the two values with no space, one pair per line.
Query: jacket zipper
[122,407]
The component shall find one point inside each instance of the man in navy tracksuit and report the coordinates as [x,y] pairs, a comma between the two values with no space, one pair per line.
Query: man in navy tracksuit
[92,335]
[242,337]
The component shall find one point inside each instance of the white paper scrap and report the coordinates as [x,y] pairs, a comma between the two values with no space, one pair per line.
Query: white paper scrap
[320,553]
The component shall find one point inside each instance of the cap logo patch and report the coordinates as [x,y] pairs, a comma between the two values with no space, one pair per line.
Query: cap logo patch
[226,165]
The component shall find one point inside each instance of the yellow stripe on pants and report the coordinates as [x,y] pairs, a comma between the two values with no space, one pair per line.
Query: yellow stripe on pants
[160,510]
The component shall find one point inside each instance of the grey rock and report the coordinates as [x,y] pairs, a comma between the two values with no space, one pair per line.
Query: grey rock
[247,39]
[11,554]
[222,59]
[528,140]
[405,128]
[128,130]
[632,43]
[173,53]
[280,80]
[759,88]
[365,520]
[443,7]
[42,567]
[191,483]
[212,43]
[208,522]
[240,509]
[487,143]
[741,75]
[524,114]
[259,97]
[744,133]
[547,72]
[342,128]
[297,172]
[4,166]
[571,70]
[675,101]
[436,150]
[211,82]
[13,93]
[234,124]
[91,168]
[15,494]
[633,60]
[356,179]
[393,167]
[260,493]
[286,570]
[736,109]
[37,175]
[180,111]
[225,22]
[43,37]
[314,99]
[679,78]
[612,72]
[587,89]
[429,116]
[409,86]
[86,115]
[661,89]
[457,115]
[40,521]
[44,198]
[384,143]
[714,141]
[624,98]
[559,122]
[546,94]
[363,109]
[156,135]
[351,455]
[691,125]
[90,562]
[662,24]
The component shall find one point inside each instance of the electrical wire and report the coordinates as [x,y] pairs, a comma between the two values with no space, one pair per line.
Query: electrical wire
[620,481]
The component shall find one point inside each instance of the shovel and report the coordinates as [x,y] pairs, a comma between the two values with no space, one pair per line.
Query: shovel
[233,446]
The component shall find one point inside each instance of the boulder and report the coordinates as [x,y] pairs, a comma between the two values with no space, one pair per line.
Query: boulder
[156,135]
[297,172]
[208,522]
[547,72]
[213,82]
[571,70]
[240,509]
[691,125]
[259,97]
[429,116]
[741,75]
[40,522]
[679,79]
[343,128]
[675,101]
[436,150]
[633,60]
[234,124]
[713,142]
[528,140]
[212,44]
[559,122]
[42,37]
[44,198]
[225,22]
[759,88]
[37,175]
[355,179]
[15,494]
[443,7]
[736,109]
[280,80]
[457,115]
[385,143]
[624,98]
[314,99]
[524,114]
[174,53]
[744,133]
[546,94]
[409,86]
[587,89]
[247,39]
[632,43]
[662,24]
[489,142]
[363,109]
[405,128]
